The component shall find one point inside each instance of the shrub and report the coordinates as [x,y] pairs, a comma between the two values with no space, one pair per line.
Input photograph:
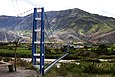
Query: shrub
[1,58]
[6,59]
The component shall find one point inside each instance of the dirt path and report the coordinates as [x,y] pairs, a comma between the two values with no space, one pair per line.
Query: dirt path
[21,72]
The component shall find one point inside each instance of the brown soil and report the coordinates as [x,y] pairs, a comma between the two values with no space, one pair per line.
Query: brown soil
[21,72]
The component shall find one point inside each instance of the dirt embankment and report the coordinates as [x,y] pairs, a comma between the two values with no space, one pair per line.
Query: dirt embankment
[21,72]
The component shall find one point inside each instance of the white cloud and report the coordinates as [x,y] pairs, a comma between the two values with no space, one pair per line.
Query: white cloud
[102,7]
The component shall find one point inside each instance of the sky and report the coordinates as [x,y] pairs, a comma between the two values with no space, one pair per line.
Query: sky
[19,7]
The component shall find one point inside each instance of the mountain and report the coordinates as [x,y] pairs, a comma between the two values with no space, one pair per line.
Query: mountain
[77,25]
[9,22]
[10,36]
[72,25]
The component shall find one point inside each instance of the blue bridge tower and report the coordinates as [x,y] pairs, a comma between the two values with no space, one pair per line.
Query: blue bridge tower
[35,41]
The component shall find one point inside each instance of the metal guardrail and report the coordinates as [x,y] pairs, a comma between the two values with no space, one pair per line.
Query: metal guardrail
[52,64]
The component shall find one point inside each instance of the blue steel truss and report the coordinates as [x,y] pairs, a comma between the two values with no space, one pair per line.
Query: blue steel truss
[34,46]
[34,39]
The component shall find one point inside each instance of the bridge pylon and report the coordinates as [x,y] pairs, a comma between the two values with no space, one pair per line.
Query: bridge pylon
[35,40]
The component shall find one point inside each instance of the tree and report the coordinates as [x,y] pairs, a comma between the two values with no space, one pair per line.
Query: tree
[16,45]
[102,49]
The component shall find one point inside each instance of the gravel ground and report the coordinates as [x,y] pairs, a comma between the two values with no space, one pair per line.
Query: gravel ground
[21,72]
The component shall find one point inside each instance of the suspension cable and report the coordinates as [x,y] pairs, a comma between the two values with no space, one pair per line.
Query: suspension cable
[25,12]
[47,36]
[30,2]
[51,31]
[17,6]
[54,41]
[49,26]
[14,8]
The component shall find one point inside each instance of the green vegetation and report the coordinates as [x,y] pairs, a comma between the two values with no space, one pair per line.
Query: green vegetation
[9,52]
[81,32]
[25,33]
[94,52]
[87,57]
[93,29]
[84,69]
[104,28]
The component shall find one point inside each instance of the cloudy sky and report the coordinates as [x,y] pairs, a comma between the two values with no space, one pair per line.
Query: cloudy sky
[17,7]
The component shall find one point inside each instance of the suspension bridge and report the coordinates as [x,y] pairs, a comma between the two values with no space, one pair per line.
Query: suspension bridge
[40,15]
[37,17]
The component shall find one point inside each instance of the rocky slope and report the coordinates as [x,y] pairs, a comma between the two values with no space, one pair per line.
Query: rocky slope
[72,25]
[10,36]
